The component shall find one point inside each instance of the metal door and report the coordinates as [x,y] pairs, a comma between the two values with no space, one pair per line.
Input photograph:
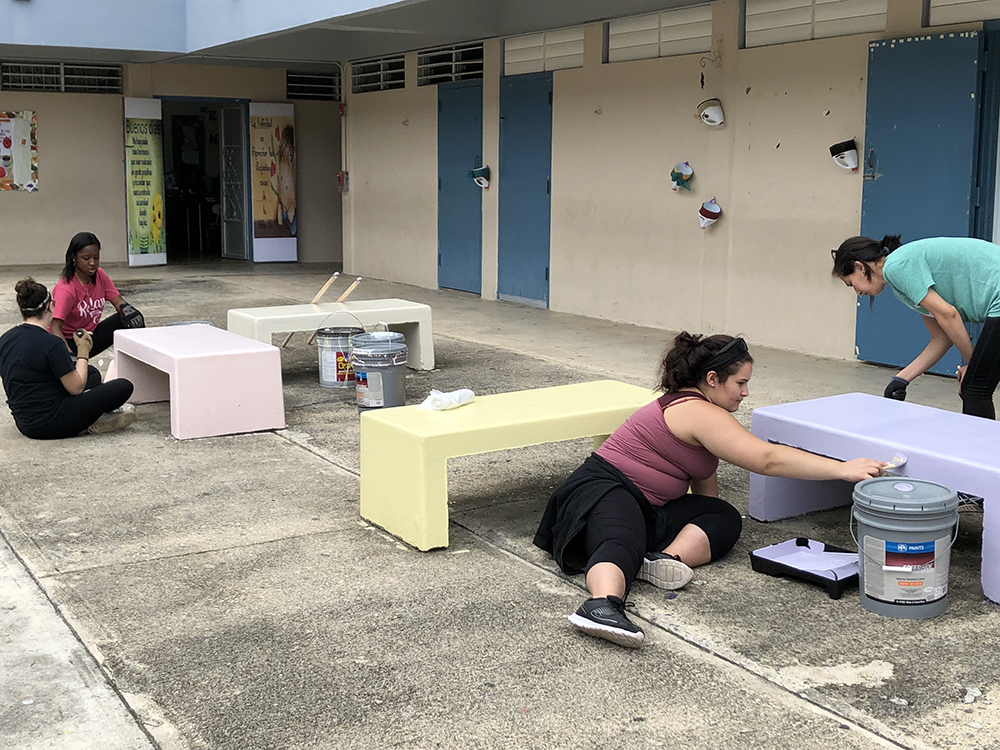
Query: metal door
[525,187]
[460,200]
[233,131]
[921,140]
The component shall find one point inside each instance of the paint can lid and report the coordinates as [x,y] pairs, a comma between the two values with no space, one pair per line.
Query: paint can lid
[904,494]
[340,331]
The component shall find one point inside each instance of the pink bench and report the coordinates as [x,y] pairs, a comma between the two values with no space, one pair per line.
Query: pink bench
[217,382]
[956,450]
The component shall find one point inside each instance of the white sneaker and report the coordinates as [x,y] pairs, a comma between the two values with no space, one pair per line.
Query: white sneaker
[113,421]
[664,571]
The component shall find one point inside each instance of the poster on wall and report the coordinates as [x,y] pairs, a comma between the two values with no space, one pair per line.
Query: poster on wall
[272,182]
[18,151]
[147,239]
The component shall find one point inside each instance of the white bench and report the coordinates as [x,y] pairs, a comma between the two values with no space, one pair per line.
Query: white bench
[412,319]
[217,382]
[957,450]
[404,451]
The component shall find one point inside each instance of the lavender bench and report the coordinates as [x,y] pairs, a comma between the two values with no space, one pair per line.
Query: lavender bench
[956,450]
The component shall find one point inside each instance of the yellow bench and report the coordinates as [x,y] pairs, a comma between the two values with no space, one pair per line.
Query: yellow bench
[404,451]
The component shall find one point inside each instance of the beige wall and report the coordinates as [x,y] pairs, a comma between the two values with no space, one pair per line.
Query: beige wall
[81,180]
[623,245]
[259,84]
[317,161]
[390,210]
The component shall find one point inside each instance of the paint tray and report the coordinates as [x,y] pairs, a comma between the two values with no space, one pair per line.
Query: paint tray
[808,560]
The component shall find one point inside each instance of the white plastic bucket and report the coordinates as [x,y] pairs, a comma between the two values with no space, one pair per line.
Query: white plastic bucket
[906,527]
[334,346]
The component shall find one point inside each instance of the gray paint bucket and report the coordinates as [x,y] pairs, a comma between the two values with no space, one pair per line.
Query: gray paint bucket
[379,361]
[906,527]
[334,345]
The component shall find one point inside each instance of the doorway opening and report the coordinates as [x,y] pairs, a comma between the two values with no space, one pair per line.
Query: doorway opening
[204,161]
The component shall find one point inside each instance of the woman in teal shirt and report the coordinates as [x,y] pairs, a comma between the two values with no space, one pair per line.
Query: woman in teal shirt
[950,281]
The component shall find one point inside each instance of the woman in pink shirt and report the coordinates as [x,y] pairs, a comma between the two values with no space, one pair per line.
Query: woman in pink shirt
[80,296]
[646,504]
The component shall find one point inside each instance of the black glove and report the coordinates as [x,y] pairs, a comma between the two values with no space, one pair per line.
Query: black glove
[130,317]
[896,389]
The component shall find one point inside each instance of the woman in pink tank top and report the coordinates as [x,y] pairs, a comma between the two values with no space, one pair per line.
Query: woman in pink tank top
[646,505]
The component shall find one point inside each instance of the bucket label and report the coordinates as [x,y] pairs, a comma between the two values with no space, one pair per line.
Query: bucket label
[369,388]
[335,367]
[906,572]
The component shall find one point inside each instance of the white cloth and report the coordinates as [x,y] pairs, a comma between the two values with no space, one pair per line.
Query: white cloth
[439,401]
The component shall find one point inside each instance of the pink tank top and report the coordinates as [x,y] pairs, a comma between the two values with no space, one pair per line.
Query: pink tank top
[647,452]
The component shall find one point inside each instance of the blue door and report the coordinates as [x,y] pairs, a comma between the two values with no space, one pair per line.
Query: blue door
[921,141]
[460,200]
[524,182]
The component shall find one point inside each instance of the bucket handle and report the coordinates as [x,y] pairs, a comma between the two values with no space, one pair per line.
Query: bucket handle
[342,312]
[954,538]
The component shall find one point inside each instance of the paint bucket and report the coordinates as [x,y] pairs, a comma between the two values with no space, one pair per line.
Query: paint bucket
[906,528]
[379,361]
[334,345]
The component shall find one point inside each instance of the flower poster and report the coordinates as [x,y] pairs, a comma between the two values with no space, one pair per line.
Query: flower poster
[18,151]
[272,181]
[147,242]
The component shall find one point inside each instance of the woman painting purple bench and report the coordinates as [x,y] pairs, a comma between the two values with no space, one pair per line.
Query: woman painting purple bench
[950,281]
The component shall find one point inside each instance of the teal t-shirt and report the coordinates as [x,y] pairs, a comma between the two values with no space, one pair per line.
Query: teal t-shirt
[964,271]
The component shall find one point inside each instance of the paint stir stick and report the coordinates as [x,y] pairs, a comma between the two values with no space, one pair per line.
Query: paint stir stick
[341,298]
[320,293]
[349,289]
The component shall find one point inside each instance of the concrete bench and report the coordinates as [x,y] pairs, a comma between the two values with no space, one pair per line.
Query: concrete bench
[956,450]
[404,451]
[217,382]
[412,319]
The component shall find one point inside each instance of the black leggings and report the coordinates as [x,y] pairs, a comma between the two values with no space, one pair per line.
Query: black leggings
[617,531]
[983,374]
[76,413]
[103,335]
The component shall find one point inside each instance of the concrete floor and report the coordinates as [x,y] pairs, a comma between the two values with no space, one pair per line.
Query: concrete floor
[224,594]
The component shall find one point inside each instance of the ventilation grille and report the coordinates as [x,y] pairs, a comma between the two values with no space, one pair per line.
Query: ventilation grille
[550,50]
[72,78]
[378,75]
[323,86]
[673,32]
[959,11]
[781,21]
[461,63]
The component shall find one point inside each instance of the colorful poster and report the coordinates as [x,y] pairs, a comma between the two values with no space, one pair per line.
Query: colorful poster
[272,181]
[147,242]
[18,151]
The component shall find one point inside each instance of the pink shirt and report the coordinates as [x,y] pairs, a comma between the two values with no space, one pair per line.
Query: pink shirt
[658,463]
[80,306]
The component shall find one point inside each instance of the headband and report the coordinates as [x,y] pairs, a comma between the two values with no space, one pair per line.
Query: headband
[38,308]
[733,352]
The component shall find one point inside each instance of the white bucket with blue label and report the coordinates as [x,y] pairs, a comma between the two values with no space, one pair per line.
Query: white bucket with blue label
[906,527]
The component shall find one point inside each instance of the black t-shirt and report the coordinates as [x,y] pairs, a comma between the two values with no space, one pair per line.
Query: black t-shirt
[31,362]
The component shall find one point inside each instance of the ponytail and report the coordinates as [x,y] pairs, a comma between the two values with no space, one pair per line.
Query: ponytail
[863,250]
[32,297]
[684,364]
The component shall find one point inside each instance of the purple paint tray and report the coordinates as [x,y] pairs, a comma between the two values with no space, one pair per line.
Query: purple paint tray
[808,560]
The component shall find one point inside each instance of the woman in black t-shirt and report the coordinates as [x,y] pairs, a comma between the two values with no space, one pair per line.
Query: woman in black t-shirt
[49,394]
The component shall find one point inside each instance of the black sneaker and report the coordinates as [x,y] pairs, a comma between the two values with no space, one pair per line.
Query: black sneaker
[605,618]
[665,571]
[970,503]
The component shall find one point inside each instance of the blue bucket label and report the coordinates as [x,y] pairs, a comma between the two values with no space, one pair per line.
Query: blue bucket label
[909,548]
